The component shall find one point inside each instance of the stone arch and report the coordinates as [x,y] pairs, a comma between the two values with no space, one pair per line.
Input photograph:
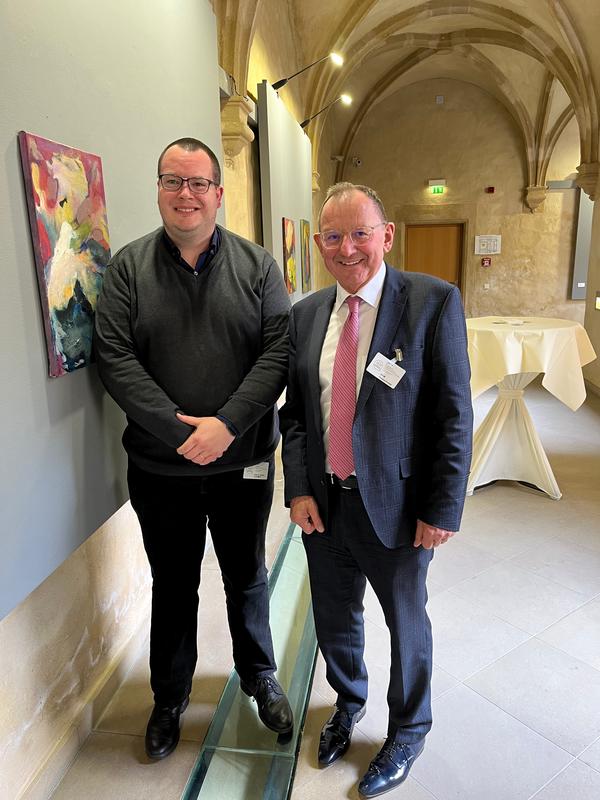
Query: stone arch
[551,140]
[563,20]
[521,35]
[509,100]
[236,25]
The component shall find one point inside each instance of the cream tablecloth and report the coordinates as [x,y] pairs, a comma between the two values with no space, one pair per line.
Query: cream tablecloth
[509,352]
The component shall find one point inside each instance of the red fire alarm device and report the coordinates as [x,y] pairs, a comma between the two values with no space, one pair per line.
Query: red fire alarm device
[486,262]
[490,189]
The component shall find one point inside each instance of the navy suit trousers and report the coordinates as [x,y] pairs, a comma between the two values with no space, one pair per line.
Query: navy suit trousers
[340,561]
[173,513]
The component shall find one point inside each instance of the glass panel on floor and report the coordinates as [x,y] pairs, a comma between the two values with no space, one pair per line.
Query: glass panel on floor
[240,758]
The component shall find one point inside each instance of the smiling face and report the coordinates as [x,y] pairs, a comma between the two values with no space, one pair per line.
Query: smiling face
[189,218]
[354,265]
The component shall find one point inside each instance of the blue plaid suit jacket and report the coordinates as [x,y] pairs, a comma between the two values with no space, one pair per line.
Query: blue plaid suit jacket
[412,444]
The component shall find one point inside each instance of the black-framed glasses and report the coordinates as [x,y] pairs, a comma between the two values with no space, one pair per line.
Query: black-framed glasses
[333,239]
[173,183]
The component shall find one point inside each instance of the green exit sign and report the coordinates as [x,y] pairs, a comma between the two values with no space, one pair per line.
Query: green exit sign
[437,190]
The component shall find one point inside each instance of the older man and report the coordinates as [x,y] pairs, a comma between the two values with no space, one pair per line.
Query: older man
[377,446]
[191,341]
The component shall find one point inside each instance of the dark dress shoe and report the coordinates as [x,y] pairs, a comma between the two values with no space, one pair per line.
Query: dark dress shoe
[336,735]
[162,733]
[390,767]
[271,702]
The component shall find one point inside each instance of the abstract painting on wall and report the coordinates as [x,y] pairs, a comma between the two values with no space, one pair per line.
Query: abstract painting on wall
[69,229]
[289,255]
[305,253]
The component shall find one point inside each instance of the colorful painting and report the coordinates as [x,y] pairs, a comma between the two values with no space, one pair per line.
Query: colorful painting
[69,228]
[305,253]
[289,255]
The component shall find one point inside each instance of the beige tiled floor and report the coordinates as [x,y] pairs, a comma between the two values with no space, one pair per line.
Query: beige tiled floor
[515,606]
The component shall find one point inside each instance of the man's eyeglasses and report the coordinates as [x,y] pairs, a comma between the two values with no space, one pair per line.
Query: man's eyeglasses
[173,183]
[333,239]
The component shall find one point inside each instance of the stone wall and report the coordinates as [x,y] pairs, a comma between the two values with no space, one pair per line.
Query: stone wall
[65,649]
[472,142]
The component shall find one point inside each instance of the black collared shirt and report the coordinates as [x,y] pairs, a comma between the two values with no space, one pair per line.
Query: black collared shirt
[204,258]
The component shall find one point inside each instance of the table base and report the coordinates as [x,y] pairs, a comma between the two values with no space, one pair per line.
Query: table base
[506,445]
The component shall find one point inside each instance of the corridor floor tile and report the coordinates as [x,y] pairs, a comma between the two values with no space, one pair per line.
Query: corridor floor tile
[578,634]
[576,781]
[542,688]
[112,766]
[475,751]
[591,755]
[527,601]
[460,560]
[468,638]
[567,563]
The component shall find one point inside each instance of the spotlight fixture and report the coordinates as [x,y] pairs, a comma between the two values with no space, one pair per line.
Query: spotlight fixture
[336,59]
[345,98]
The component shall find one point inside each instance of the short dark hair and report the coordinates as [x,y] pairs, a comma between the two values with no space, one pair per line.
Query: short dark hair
[345,187]
[190,144]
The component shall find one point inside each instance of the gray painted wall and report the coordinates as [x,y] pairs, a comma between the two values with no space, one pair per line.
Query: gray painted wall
[285,177]
[121,80]
[582,247]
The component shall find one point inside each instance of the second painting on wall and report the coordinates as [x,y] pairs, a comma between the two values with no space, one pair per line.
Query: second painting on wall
[290,266]
[305,254]
[289,254]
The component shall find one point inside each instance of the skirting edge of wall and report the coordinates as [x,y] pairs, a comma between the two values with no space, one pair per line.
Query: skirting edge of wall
[56,764]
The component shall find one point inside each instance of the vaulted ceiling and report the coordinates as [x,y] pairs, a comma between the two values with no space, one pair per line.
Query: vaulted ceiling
[539,58]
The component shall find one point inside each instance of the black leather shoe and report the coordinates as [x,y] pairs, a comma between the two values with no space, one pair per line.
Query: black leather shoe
[336,735]
[271,702]
[162,733]
[390,767]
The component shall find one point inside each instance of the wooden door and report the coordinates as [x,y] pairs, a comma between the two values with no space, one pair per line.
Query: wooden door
[436,250]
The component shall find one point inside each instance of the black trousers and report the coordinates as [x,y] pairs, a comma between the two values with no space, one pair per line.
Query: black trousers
[340,561]
[173,512]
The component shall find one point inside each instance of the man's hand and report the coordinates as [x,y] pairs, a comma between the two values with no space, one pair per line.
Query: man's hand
[429,537]
[208,442]
[305,512]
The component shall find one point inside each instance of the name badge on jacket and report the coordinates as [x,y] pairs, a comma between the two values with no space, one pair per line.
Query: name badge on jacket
[386,370]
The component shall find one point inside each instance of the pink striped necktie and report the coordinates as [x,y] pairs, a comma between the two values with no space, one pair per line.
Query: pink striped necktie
[343,394]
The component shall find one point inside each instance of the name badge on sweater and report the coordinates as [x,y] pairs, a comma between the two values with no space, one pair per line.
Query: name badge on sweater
[386,370]
[257,472]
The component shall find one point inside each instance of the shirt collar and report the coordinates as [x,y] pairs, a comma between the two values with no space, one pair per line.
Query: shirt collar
[370,293]
[203,258]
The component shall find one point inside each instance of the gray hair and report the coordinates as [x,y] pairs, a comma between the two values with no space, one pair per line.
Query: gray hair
[344,188]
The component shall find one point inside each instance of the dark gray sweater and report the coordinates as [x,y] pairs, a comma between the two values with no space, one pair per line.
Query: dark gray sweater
[167,340]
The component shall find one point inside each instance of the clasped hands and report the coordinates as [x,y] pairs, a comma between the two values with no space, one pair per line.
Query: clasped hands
[305,513]
[208,442]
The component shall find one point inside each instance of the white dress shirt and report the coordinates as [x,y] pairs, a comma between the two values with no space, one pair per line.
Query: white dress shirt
[370,294]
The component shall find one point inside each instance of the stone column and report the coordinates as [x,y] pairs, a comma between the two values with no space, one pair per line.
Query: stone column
[235,131]
[240,173]
[587,179]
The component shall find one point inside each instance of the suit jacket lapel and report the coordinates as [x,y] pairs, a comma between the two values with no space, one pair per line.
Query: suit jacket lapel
[319,329]
[391,308]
